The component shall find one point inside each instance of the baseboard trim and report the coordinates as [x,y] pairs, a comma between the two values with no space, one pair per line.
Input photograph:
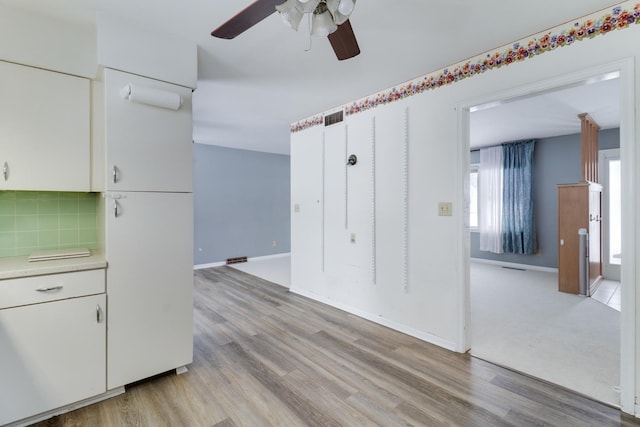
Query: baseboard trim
[515,265]
[257,258]
[63,410]
[407,330]
[210,265]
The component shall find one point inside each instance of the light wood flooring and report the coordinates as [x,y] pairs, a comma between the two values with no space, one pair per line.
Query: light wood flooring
[266,357]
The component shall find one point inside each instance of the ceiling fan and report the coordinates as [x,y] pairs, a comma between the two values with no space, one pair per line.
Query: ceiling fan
[329,18]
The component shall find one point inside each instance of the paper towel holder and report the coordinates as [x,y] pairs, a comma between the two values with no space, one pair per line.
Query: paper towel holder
[151,96]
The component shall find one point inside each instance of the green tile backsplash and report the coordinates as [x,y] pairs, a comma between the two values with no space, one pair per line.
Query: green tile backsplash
[34,220]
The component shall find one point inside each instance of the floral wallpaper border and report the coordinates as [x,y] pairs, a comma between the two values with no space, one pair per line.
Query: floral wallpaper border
[618,18]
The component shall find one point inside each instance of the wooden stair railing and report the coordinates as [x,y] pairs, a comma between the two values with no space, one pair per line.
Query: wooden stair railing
[589,148]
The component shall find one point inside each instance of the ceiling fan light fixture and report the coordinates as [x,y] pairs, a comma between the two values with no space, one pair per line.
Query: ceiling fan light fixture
[346,7]
[340,9]
[322,24]
[327,18]
[290,13]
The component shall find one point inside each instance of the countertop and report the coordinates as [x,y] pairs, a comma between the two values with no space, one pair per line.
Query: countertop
[13,267]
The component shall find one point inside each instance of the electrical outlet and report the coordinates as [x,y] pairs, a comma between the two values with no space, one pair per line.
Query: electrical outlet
[273,243]
[353,237]
[296,207]
[445,209]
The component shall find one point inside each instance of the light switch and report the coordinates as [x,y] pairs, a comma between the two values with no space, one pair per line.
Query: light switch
[296,207]
[445,209]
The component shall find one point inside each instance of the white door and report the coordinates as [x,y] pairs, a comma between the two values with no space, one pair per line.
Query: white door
[611,213]
[149,246]
[53,354]
[361,251]
[306,217]
[336,236]
[148,148]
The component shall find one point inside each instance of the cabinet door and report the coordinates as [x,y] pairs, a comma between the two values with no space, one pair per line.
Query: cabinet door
[149,284]
[572,215]
[44,130]
[150,147]
[53,354]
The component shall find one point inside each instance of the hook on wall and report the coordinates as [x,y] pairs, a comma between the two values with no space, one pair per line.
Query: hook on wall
[352,160]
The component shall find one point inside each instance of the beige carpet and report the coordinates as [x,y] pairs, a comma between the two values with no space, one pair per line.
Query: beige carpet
[520,320]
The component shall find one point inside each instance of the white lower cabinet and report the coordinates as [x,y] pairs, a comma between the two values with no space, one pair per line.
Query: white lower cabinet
[149,245]
[51,354]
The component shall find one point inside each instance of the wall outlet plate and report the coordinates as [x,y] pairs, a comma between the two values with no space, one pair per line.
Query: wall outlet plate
[445,209]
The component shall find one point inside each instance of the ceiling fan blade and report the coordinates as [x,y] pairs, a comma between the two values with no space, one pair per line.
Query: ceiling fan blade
[344,42]
[247,18]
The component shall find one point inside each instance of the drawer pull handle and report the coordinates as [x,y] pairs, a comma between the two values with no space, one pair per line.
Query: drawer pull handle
[116,209]
[50,288]
[5,170]
[115,174]
[98,313]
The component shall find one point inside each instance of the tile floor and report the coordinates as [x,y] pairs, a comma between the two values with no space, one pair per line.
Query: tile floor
[608,293]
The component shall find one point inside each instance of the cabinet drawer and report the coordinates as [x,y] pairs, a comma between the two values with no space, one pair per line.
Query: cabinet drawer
[52,287]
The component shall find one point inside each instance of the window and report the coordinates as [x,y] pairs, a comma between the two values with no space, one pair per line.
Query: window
[473,197]
[615,212]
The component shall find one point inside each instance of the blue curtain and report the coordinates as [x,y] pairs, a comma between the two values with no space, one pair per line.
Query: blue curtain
[518,233]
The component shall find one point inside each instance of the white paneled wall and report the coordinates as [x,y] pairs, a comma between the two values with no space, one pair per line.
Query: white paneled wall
[359,253]
[307,253]
[429,300]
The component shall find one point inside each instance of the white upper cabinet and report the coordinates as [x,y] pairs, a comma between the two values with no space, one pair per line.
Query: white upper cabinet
[148,147]
[44,130]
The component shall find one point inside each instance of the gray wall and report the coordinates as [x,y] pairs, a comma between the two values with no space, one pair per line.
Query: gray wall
[242,203]
[556,161]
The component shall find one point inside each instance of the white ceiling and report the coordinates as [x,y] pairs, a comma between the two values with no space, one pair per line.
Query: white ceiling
[554,113]
[251,88]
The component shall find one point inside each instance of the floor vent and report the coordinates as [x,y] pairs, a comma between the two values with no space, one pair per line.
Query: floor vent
[332,119]
[236,260]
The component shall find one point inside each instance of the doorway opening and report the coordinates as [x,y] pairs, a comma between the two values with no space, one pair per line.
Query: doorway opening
[513,100]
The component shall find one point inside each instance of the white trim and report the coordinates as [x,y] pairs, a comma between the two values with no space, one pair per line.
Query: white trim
[405,201]
[212,264]
[374,236]
[515,265]
[449,345]
[626,67]
[462,239]
[258,258]
[63,410]
[629,306]
[346,177]
[323,195]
